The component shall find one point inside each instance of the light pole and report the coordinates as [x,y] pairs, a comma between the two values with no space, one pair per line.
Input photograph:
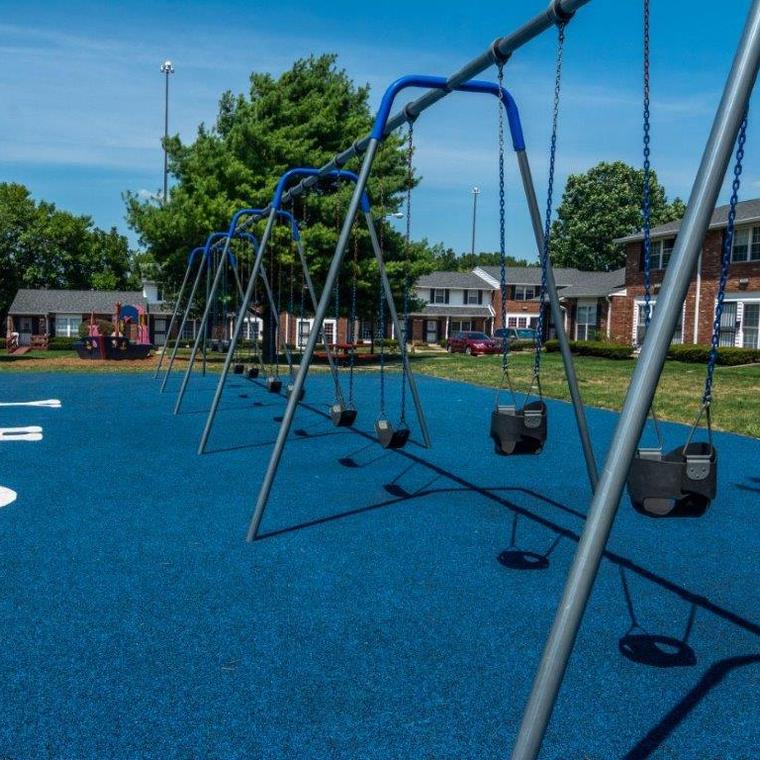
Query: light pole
[166,69]
[475,194]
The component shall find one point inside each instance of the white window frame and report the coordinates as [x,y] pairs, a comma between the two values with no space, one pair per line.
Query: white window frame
[525,292]
[741,314]
[584,328]
[249,323]
[468,294]
[464,325]
[302,337]
[638,306]
[439,295]
[748,239]
[657,252]
[71,322]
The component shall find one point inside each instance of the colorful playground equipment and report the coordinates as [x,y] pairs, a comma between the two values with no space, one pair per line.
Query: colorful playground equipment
[126,337]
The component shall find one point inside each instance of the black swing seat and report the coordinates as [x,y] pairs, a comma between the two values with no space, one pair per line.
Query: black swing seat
[274,384]
[681,483]
[341,415]
[389,437]
[238,369]
[253,372]
[519,431]
[290,391]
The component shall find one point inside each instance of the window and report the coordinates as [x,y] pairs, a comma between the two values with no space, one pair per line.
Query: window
[251,328]
[368,330]
[511,321]
[328,330]
[659,253]
[522,321]
[188,331]
[304,329]
[524,292]
[751,326]
[471,296]
[458,325]
[641,327]
[746,244]
[67,326]
[439,295]
[585,321]
[727,336]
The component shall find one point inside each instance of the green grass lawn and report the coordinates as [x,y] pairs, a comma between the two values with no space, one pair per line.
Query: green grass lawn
[603,382]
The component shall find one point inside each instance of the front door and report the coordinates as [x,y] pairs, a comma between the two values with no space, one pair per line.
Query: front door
[25,331]
[159,332]
[431,331]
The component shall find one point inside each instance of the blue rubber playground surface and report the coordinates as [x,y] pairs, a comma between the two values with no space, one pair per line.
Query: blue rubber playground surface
[373,619]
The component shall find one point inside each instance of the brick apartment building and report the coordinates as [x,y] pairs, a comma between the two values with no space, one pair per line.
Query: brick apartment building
[741,316]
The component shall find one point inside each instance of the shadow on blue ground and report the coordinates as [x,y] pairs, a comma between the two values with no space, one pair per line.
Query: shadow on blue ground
[395,604]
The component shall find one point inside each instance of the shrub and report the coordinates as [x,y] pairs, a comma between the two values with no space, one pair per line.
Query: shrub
[390,345]
[521,345]
[105,328]
[593,348]
[729,356]
[84,329]
[3,344]
[61,344]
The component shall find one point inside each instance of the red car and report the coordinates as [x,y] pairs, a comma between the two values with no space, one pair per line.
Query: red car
[472,343]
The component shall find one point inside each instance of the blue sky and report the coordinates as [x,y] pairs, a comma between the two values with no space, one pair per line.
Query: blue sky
[81,96]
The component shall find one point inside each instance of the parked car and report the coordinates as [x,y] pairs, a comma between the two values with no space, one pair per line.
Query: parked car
[514,333]
[473,343]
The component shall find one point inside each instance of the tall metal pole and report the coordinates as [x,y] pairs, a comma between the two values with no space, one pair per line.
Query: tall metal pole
[556,309]
[475,194]
[166,69]
[641,391]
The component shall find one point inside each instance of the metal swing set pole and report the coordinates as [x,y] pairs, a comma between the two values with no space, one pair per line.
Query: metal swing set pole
[211,241]
[582,574]
[437,84]
[185,279]
[273,210]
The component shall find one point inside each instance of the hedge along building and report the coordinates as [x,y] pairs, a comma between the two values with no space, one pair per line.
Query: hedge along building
[40,314]
[740,324]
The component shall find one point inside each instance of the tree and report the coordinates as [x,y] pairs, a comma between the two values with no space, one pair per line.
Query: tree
[302,118]
[601,205]
[44,247]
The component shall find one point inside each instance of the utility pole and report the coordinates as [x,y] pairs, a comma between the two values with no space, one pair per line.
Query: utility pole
[166,69]
[475,194]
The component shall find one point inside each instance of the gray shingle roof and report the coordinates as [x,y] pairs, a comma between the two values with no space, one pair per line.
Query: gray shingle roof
[746,212]
[532,275]
[466,280]
[595,284]
[460,312]
[44,301]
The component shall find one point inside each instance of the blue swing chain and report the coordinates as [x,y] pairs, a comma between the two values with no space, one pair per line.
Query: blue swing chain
[728,242]
[408,258]
[502,225]
[381,338]
[646,203]
[351,332]
[549,201]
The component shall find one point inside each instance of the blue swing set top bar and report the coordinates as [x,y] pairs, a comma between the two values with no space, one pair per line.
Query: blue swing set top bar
[380,129]
[280,193]
[500,50]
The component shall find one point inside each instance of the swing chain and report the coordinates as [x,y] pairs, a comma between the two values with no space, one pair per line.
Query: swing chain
[502,223]
[728,243]
[549,199]
[646,190]
[351,332]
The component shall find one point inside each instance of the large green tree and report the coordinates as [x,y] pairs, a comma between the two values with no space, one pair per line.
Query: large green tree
[301,118]
[43,246]
[599,206]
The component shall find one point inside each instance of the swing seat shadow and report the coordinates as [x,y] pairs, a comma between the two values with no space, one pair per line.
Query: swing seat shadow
[515,559]
[657,651]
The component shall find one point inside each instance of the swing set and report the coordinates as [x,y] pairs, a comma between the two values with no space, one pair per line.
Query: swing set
[679,483]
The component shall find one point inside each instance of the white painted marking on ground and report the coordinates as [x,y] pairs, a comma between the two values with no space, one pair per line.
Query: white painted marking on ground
[7,496]
[50,403]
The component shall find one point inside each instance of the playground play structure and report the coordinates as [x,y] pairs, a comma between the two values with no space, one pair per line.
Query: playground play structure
[680,483]
[130,338]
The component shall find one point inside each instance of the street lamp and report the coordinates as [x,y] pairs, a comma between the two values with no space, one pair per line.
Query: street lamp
[166,69]
[475,194]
